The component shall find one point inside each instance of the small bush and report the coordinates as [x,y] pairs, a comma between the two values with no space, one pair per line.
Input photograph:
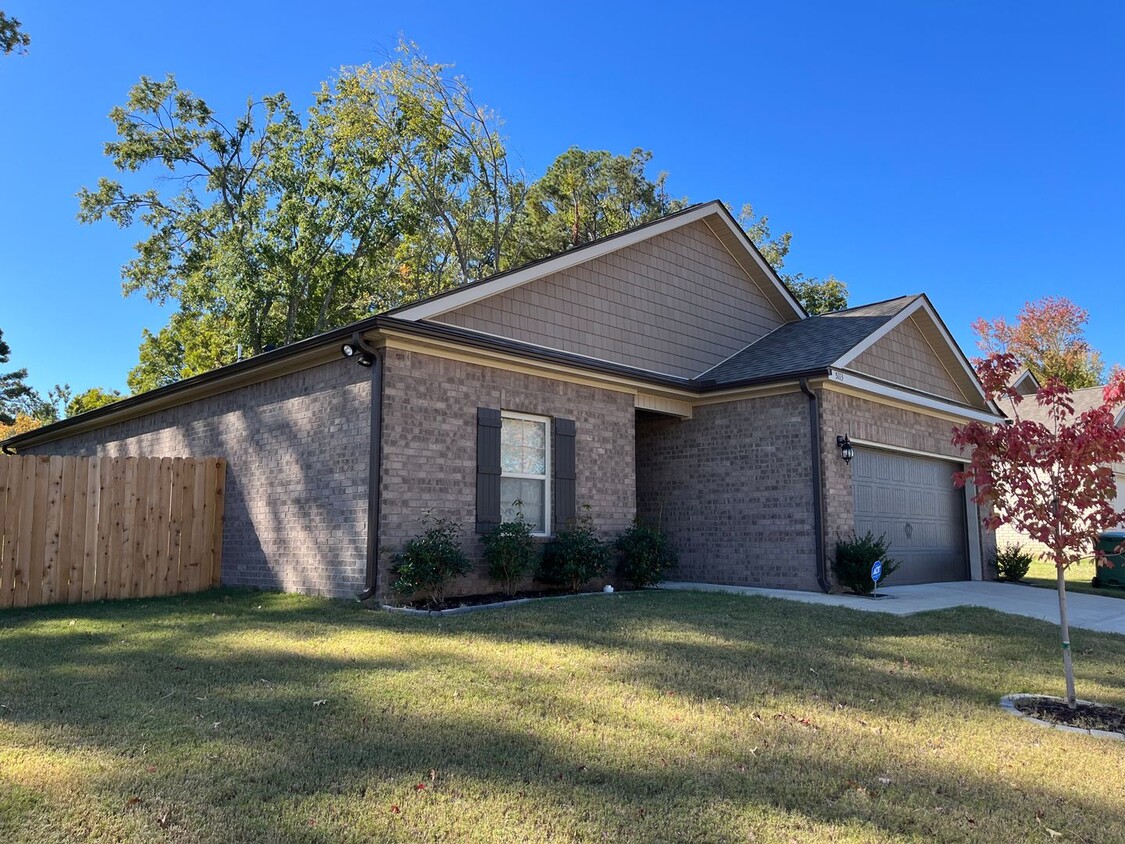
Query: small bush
[646,554]
[509,551]
[854,558]
[1012,562]
[429,562]
[575,556]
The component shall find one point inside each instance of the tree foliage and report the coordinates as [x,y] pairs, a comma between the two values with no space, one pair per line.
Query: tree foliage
[819,296]
[17,397]
[456,193]
[21,424]
[91,399]
[12,38]
[271,224]
[1053,482]
[395,184]
[588,194]
[1048,337]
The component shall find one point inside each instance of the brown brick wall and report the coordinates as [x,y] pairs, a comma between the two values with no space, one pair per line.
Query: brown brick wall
[296,494]
[429,448]
[733,488]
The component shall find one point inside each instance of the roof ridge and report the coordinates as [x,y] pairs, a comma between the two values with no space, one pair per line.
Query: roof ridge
[546,258]
[909,296]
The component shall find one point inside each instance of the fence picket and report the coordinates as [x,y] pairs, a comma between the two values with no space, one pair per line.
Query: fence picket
[76,529]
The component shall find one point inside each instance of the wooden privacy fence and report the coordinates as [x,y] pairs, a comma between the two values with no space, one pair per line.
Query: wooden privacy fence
[76,529]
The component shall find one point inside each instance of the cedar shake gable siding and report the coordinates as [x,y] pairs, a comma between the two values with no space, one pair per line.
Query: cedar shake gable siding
[677,303]
[904,356]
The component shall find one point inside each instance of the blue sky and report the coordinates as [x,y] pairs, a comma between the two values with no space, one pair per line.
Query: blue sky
[973,151]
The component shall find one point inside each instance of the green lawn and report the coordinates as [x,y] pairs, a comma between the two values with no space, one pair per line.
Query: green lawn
[1078,577]
[633,717]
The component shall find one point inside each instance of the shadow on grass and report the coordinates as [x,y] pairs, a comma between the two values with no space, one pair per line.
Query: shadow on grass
[262,721]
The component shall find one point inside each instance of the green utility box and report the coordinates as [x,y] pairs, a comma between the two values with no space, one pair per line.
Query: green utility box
[1114,576]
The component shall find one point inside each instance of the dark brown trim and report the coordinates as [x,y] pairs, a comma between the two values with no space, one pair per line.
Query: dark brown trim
[374,467]
[817,488]
[432,330]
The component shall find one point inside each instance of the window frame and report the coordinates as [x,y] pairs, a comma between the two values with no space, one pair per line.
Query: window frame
[548,465]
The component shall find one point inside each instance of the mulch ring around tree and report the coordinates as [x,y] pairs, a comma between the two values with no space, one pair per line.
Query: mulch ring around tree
[1095,718]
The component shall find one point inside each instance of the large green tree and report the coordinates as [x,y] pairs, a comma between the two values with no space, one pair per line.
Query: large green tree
[458,196]
[394,185]
[278,225]
[270,222]
[588,194]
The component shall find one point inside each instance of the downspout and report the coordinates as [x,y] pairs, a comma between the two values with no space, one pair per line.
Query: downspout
[374,464]
[817,489]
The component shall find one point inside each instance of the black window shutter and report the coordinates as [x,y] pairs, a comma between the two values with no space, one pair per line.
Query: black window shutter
[564,503]
[488,469]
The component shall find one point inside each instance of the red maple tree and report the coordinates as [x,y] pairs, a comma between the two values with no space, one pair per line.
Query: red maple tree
[1048,336]
[1052,482]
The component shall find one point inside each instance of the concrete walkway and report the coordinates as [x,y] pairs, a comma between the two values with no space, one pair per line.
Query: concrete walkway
[1091,612]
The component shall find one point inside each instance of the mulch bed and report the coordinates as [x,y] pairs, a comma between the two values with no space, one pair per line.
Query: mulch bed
[1088,716]
[492,598]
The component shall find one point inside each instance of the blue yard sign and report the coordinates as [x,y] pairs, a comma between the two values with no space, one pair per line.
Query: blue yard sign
[876,573]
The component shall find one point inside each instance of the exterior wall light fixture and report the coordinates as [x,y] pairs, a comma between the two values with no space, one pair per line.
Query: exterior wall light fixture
[845,446]
[361,355]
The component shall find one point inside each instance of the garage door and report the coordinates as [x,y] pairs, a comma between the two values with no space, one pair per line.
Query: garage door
[912,500]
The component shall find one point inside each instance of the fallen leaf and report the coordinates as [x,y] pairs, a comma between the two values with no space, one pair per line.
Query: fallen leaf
[320,702]
[1054,833]
[394,809]
[132,801]
[151,769]
[420,787]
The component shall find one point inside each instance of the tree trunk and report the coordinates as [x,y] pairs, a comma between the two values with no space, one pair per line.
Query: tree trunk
[1064,630]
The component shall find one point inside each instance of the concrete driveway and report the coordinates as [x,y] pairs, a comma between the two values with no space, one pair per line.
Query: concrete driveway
[1091,612]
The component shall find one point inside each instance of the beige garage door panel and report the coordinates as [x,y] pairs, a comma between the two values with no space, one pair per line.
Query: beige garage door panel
[911,500]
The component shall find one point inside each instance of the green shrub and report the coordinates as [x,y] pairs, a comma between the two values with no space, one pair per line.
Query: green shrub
[1012,562]
[575,556]
[509,551]
[430,561]
[854,558]
[646,554]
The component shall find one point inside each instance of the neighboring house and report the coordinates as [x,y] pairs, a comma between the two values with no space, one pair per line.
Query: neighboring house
[665,371]
[1026,384]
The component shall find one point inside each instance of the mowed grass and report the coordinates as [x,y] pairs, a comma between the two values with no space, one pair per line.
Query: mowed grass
[1078,577]
[634,717]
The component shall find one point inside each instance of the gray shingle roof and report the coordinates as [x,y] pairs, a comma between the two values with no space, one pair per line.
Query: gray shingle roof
[804,346]
[1085,399]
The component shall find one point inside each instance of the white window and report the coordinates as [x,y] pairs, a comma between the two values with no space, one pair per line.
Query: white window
[525,470]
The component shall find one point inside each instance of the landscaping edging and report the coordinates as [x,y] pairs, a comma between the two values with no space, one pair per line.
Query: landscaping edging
[480,607]
[1008,703]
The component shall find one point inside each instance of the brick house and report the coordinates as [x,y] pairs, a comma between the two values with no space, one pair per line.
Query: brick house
[1087,398]
[665,371]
